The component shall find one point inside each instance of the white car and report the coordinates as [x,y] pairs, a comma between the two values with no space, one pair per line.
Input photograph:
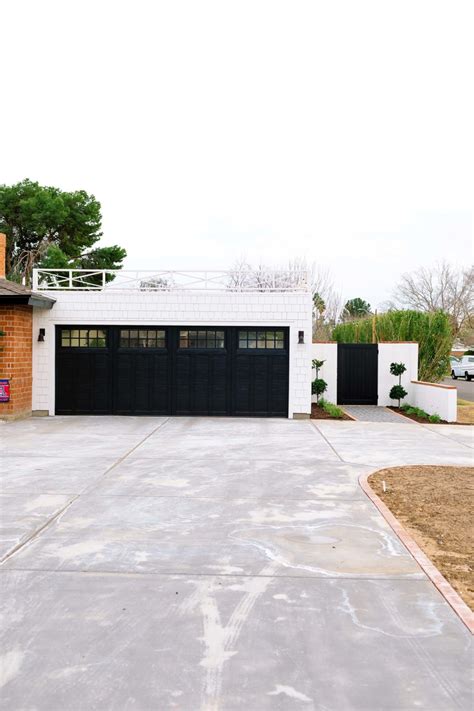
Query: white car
[463,368]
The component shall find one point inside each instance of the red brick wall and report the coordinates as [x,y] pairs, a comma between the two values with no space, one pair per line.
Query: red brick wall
[16,358]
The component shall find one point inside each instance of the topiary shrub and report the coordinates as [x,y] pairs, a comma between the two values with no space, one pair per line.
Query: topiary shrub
[398,392]
[318,387]
[398,369]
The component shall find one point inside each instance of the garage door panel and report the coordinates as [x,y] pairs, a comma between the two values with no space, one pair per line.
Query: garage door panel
[219,390]
[182,391]
[141,384]
[82,384]
[261,384]
[279,386]
[242,386]
[201,384]
[261,372]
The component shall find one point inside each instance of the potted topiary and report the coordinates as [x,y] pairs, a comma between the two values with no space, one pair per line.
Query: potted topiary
[318,386]
[398,392]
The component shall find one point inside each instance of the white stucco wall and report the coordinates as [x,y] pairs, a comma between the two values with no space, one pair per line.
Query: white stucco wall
[406,353]
[328,353]
[437,399]
[179,308]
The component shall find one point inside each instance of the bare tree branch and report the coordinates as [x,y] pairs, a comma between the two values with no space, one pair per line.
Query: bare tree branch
[441,288]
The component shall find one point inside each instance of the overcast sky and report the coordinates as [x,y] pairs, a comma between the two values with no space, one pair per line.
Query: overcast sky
[338,131]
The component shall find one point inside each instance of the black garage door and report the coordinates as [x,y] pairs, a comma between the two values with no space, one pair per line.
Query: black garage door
[153,370]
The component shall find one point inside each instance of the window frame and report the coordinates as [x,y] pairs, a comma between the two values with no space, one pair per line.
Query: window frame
[79,346]
[141,349]
[206,348]
[248,350]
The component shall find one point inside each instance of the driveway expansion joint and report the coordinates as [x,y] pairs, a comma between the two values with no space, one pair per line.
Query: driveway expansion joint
[326,440]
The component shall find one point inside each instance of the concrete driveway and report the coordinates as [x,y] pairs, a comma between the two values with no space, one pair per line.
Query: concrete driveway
[218,564]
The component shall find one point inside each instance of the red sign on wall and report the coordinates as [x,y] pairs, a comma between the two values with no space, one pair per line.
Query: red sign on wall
[4,390]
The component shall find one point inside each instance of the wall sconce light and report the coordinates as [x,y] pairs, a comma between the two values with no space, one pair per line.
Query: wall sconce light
[300,337]
[41,334]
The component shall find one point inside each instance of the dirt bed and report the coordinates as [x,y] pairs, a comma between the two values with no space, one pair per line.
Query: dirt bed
[466,412]
[317,413]
[421,420]
[436,506]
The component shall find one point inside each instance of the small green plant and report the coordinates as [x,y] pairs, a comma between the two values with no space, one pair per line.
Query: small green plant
[318,386]
[331,409]
[398,392]
[418,412]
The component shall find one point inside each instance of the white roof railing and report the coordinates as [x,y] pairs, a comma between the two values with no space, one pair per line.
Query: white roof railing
[258,280]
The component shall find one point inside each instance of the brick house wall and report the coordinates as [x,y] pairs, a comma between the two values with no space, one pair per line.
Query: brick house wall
[16,354]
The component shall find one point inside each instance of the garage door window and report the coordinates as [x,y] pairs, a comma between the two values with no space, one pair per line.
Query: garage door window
[261,340]
[83,338]
[205,338]
[146,338]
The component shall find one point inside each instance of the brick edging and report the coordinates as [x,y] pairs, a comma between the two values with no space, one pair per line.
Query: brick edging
[351,417]
[464,613]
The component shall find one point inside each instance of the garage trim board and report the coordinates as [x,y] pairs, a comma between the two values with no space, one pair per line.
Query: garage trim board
[172,370]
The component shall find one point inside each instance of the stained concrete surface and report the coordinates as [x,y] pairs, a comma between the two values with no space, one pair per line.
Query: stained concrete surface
[200,563]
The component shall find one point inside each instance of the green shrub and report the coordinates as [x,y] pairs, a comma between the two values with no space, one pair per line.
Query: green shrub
[318,387]
[432,331]
[331,409]
[397,369]
[398,392]
[418,412]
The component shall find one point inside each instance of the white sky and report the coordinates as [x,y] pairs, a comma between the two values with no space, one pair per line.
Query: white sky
[339,131]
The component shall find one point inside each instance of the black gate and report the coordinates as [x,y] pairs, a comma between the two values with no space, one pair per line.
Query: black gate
[357,373]
[171,370]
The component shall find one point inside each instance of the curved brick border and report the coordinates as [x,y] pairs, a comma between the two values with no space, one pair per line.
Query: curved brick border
[446,590]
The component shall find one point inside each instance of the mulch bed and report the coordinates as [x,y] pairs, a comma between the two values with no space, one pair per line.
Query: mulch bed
[317,413]
[435,504]
[421,420]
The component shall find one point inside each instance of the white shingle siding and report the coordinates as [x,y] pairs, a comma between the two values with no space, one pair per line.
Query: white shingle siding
[184,308]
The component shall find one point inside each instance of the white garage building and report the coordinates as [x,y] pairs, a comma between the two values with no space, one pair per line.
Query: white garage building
[179,343]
